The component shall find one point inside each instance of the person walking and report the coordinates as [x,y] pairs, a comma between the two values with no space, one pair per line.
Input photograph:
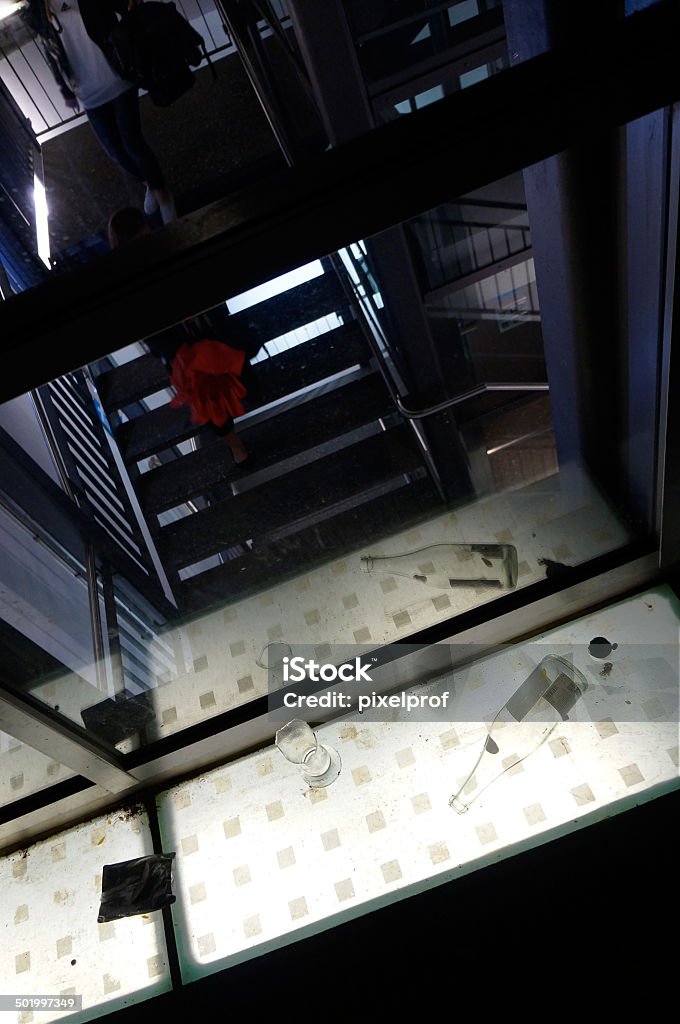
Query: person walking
[75,42]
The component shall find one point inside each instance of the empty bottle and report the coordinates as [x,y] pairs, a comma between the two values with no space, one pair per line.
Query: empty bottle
[452,565]
[523,724]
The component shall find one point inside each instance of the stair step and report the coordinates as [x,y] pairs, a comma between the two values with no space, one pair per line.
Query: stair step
[131,382]
[329,416]
[274,562]
[302,496]
[272,379]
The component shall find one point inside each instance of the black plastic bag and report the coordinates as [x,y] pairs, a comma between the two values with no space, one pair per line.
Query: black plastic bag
[136,886]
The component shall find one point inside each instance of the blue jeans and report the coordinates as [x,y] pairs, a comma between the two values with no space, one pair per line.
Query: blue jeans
[118,128]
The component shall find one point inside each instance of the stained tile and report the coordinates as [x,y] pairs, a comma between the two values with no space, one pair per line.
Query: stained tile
[107,930]
[286,858]
[375,821]
[387,586]
[242,875]
[439,852]
[534,814]
[312,618]
[245,684]
[65,945]
[421,803]
[17,781]
[155,966]
[110,983]
[401,619]
[200,664]
[232,827]
[264,767]
[169,716]
[22,962]
[486,833]
[405,757]
[237,648]
[449,739]
[344,889]
[511,766]
[252,926]
[362,636]
[631,775]
[222,784]
[582,794]
[275,632]
[274,810]
[198,892]
[58,852]
[316,796]
[361,775]
[654,710]
[441,602]
[189,845]
[559,746]
[21,913]
[181,799]
[391,871]
[606,728]
[298,908]
[207,700]
[350,601]
[330,840]
[206,944]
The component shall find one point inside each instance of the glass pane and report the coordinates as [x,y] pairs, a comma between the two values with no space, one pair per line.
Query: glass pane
[25,771]
[266,858]
[50,894]
[402,437]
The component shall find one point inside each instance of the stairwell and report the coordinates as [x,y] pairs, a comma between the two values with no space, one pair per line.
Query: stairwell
[335,465]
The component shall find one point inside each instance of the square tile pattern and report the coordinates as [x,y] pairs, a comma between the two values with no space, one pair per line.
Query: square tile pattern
[52,943]
[280,860]
[262,859]
[221,663]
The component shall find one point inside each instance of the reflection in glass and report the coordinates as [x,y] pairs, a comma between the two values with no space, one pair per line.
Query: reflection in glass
[24,770]
[451,565]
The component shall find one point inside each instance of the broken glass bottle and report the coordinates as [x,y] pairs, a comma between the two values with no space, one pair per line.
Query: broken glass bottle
[452,565]
[523,724]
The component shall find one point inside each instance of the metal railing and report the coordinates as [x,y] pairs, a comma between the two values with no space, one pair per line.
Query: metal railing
[27,76]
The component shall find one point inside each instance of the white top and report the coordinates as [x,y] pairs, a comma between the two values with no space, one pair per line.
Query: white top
[95,81]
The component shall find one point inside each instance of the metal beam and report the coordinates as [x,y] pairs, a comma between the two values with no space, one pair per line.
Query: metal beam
[41,730]
[395,172]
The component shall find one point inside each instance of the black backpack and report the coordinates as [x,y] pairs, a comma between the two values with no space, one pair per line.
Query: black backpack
[156,47]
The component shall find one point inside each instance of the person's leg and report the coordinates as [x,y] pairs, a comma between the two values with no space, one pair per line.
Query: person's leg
[227,433]
[139,152]
[104,123]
